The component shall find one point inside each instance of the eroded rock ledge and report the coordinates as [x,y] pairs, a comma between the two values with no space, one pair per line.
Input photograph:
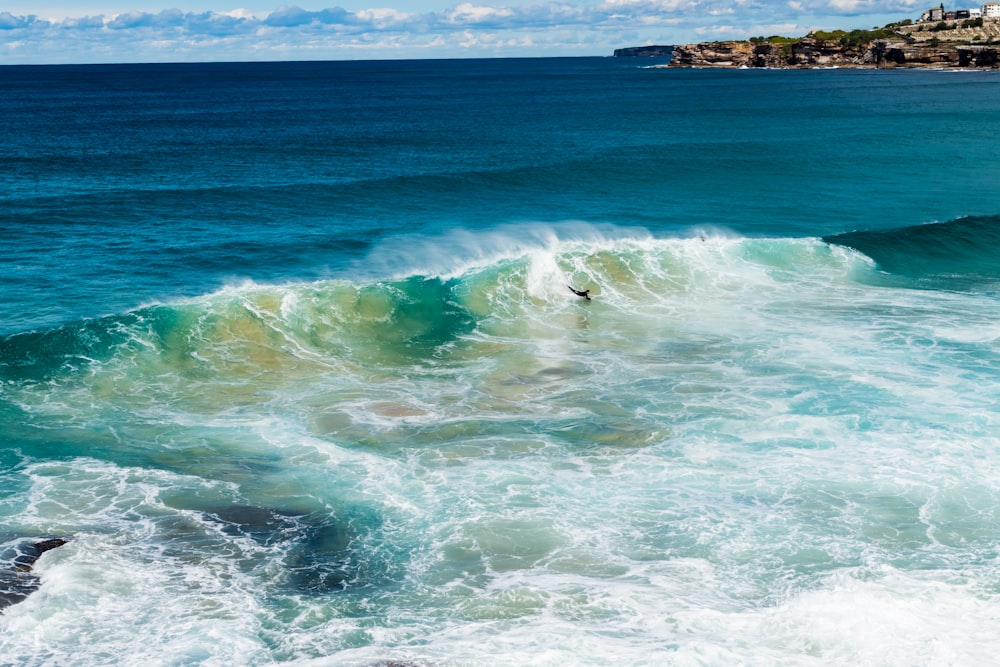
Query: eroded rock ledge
[812,53]
[17,581]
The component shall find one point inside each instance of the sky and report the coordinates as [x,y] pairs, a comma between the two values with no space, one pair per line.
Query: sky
[120,31]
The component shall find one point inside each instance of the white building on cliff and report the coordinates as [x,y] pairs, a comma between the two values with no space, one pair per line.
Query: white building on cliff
[990,10]
[933,14]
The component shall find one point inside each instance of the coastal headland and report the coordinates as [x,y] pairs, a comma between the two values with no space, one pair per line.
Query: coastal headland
[962,44]
[651,51]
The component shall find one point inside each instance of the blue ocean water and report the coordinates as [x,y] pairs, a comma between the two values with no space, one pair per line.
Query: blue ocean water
[287,355]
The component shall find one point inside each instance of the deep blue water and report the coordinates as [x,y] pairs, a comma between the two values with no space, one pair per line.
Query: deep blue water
[287,354]
[198,175]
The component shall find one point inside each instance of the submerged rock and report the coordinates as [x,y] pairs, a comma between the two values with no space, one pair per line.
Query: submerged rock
[30,553]
[15,586]
[318,551]
[265,525]
[18,582]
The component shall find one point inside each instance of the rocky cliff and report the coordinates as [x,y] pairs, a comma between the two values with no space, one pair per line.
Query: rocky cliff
[809,52]
[644,51]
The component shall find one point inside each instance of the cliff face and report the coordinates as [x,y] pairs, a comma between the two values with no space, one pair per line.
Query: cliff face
[644,51]
[714,54]
[806,52]
[809,52]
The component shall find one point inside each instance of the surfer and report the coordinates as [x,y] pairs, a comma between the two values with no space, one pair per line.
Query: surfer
[585,293]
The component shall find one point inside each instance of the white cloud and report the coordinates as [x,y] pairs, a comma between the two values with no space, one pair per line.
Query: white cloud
[291,17]
[83,23]
[717,31]
[786,29]
[10,22]
[240,13]
[384,18]
[645,6]
[845,5]
[466,13]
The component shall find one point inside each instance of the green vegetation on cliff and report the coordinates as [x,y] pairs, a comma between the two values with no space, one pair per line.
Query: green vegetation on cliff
[953,43]
[854,38]
[774,39]
[968,30]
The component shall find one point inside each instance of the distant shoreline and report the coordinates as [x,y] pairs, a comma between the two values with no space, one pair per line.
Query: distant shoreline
[651,51]
[808,53]
[949,44]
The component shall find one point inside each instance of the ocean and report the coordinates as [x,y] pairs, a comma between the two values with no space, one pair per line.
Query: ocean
[289,359]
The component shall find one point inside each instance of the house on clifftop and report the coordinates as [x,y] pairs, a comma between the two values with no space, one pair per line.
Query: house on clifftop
[934,14]
[990,10]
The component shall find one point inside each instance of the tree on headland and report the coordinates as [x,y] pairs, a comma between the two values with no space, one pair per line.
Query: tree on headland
[773,39]
[854,38]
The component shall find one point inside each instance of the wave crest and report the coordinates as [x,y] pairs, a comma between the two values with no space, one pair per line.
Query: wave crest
[958,255]
[503,288]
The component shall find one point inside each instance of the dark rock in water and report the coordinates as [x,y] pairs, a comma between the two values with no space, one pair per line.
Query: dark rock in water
[653,51]
[322,559]
[253,517]
[264,525]
[15,586]
[319,555]
[17,582]
[28,554]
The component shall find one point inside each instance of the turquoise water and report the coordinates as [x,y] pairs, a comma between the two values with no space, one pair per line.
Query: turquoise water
[289,357]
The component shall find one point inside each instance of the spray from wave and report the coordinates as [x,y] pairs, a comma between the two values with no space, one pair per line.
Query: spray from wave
[442,294]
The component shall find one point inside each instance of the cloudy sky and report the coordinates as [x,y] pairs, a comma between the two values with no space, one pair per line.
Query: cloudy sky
[103,31]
